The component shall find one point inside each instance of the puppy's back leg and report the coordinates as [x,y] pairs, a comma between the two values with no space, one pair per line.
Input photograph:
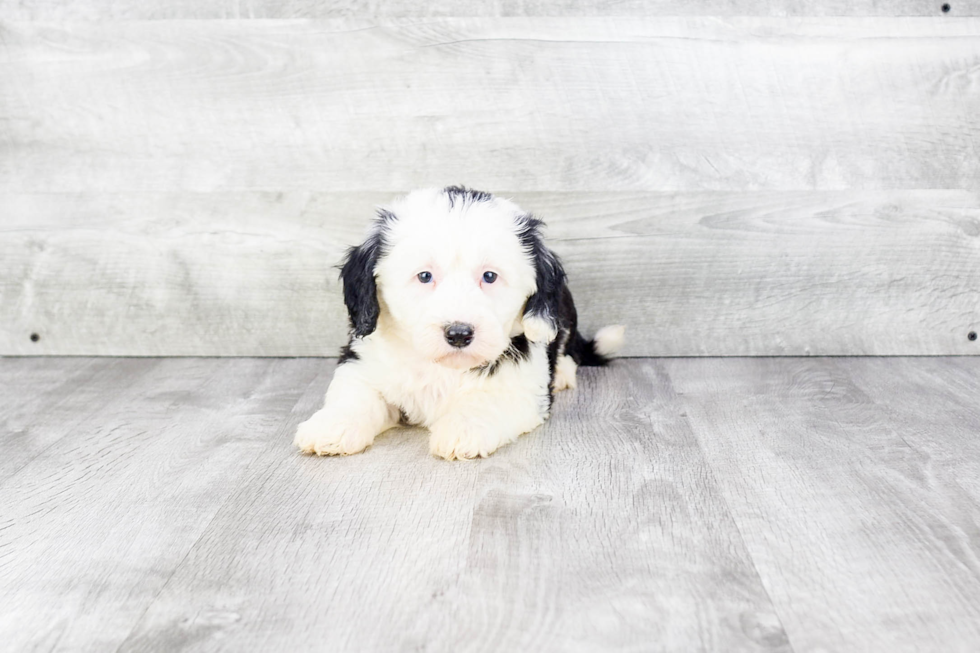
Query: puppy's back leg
[565,371]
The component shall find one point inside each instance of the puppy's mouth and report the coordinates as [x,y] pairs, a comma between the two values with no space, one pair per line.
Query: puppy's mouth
[461,360]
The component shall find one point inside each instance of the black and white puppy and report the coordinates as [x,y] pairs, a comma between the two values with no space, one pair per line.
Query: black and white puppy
[461,322]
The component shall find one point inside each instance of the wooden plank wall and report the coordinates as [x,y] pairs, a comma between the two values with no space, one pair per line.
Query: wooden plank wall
[726,178]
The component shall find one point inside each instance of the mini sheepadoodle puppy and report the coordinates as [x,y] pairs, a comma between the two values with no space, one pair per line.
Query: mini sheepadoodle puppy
[461,322]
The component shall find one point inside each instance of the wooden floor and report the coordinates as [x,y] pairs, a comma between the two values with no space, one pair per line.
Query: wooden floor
[769,504]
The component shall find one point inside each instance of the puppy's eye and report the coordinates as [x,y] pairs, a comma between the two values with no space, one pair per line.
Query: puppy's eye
[425,277]
[489,277]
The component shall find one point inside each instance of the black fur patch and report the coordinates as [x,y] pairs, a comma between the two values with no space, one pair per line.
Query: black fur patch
[347,354]
[463,194]
[385,217]
[569,342]
[583,352]
[360,288]
[545,303]
[518,351]
[574,344]
[553,347]
[403,418]
[357,273]
[520,348]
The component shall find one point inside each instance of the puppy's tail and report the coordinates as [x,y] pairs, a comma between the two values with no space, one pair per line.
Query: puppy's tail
[600,349]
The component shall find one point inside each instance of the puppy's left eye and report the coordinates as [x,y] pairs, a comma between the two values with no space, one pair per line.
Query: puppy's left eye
[425,277]
[489,277]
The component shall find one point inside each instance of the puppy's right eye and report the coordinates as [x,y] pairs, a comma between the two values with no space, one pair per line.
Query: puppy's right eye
[425,277]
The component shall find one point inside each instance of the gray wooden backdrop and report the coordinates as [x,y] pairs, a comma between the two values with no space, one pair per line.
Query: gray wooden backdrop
[730,177]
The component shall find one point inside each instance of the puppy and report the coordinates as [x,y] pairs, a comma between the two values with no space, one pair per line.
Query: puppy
[461,322]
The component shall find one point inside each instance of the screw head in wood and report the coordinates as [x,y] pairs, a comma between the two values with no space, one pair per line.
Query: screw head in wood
[946,8]
[35,337]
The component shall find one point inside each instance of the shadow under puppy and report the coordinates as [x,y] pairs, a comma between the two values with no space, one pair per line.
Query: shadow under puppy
[461,322]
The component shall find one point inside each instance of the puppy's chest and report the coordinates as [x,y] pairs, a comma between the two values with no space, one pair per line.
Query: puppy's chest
[423,396]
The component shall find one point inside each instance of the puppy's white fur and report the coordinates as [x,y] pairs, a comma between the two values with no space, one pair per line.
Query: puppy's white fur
[473,399]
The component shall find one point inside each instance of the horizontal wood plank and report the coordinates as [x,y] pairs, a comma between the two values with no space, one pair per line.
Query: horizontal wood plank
[528,104]
[167,130]
[53,10]
[231,274]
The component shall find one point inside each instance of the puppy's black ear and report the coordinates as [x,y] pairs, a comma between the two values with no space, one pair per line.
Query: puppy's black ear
[543,307]
[360,288]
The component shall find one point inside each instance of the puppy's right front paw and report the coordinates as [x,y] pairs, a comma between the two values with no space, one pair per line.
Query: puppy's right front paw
[326,436]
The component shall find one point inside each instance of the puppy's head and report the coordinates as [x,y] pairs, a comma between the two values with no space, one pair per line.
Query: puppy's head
[454,274]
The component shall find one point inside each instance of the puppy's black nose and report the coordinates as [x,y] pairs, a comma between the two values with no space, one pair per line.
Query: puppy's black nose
[459,334]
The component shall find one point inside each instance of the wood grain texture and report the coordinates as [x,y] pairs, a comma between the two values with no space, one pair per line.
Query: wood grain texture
[527,104]
[701,273]
[58,397]
[920,408]
[600,531]
[52,10]
[738,186]
[35,376]
[95,524]
[853,482]
[674,505]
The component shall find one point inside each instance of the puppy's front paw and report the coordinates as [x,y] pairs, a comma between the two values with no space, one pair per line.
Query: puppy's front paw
[326,436]
[456,439]
[539,330]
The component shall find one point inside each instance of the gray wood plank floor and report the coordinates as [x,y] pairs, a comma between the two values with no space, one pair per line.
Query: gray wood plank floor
[787,504]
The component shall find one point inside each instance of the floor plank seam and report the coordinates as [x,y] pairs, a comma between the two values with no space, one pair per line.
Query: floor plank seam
[173,572]
[204,531]
[260,453]
[738,528]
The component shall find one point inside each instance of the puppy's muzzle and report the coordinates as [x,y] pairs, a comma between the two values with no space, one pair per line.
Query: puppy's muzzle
[459,335]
